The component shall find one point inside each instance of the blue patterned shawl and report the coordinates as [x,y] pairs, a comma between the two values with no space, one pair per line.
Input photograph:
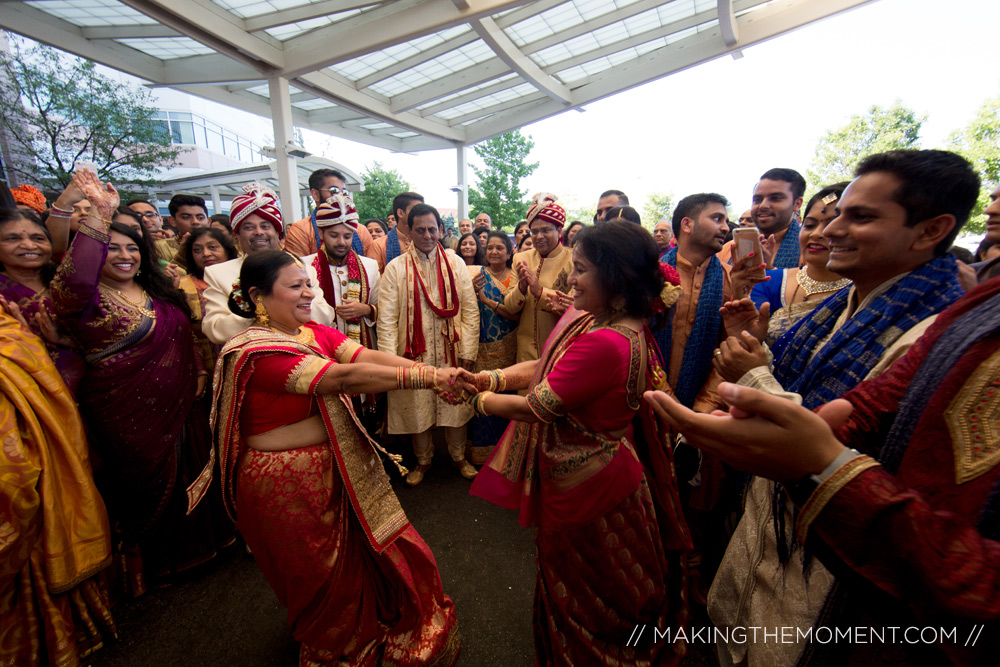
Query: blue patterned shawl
[788,253]
[704,335]
[355,242]
[857,347]
[392,247]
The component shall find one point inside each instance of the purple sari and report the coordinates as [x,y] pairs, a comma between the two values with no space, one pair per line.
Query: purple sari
[68,360]
[137,399]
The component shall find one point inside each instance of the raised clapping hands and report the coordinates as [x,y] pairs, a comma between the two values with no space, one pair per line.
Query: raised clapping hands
[103,197]
[742,315]
[761,434]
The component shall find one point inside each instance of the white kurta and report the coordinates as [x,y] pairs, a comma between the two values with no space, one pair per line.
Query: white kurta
[416,411]
[220,324]
[370,267]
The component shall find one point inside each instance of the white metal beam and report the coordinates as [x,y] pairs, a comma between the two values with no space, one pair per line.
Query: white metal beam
[446,85]
[281,121]
[507,51]
[613,16]
[755,27]
[304,13]
[129,32]
[496,108]
[635,40]
[334,90]
[216,28]
[392,24]
[207,68]
[727,22]
[417,59]
[48,29]
[472,95]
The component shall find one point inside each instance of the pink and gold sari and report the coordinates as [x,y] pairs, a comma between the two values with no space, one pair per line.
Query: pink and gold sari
[360,585]
[607,562]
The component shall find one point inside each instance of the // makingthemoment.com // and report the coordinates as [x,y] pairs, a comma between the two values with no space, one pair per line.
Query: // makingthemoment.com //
[796,635]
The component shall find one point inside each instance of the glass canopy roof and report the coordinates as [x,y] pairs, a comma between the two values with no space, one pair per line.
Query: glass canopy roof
[409,75]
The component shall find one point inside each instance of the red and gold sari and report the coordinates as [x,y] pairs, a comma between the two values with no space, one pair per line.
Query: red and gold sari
[360,585]
[607,562]
[54,532]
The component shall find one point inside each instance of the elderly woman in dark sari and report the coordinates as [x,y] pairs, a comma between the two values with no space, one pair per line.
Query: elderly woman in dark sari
[143,375]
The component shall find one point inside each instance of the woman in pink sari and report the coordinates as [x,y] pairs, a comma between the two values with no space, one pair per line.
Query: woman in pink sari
[586,464]
[306,488]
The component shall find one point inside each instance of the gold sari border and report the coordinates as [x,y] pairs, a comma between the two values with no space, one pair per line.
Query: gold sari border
[306,375]
[827,490]
[545,402]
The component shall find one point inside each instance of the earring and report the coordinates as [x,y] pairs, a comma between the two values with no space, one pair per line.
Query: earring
[618,305]
[262,316]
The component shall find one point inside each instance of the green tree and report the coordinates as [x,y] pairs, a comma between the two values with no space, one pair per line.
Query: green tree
[877,130]
[381,187]
[979,142]
[498,190]
[59,109]
[658,207]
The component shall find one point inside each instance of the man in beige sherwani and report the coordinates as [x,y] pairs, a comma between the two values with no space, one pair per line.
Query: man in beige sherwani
[419,320]
[542,293]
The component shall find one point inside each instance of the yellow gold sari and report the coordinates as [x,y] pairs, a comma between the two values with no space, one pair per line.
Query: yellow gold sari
[54,533]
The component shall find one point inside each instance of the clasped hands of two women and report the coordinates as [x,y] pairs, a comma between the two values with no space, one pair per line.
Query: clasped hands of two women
[458,385]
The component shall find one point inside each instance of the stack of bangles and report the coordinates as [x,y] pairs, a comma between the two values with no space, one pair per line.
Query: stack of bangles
[498,381]
[478,402]
[418,376]
[56,212]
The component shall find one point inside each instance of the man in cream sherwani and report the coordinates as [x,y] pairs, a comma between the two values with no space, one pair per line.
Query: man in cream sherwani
[419,320]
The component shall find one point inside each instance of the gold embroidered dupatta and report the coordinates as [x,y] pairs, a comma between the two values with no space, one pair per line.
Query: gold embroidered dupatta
[372,498]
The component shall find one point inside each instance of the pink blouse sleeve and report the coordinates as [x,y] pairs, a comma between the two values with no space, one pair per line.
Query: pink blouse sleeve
[592,367]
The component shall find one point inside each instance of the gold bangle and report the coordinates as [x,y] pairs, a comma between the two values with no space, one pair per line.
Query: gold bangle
[501,380]
[399,377]
[479,402]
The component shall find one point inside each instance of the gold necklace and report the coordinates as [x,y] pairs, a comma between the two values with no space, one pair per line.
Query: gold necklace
[812,286]
[141,307]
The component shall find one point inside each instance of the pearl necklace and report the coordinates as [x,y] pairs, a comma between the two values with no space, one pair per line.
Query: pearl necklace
[812,286]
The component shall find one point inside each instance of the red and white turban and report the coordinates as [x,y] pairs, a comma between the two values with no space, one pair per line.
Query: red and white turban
[337,210]
[260,200]
[545,208]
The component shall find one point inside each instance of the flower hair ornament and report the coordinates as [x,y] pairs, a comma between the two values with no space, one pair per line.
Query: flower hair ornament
[241,301]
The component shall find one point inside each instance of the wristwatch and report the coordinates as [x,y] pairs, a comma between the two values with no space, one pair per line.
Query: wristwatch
[800,491]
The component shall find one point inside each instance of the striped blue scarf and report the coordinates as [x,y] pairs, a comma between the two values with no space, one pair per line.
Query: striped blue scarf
[855,348]
[392,248]
[356,244]
[704,336]
[788,253]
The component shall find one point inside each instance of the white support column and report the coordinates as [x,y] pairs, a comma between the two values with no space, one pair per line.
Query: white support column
[216,201]
[281,120]
[463,185]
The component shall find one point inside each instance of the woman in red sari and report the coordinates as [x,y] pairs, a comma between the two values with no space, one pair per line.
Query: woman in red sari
[305,486]
[586,464]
